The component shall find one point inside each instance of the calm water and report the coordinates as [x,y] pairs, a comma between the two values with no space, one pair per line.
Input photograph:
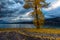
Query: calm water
[17,26]
[24,26]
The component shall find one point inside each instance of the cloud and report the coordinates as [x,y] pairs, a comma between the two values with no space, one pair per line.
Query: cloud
[53,10]
[25,17]
[53,5]
[19,14]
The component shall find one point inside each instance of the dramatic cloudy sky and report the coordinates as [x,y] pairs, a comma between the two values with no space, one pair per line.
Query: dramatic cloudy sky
[13,11]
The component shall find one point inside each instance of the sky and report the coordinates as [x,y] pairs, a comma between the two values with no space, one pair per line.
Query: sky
[13,10]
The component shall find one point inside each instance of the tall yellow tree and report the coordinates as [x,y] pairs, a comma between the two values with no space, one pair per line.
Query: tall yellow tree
[38,15]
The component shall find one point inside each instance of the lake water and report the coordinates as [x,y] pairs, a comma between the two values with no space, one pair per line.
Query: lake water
[25,26]
[17,26]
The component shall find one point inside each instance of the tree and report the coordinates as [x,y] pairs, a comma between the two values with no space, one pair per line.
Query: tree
[38,15]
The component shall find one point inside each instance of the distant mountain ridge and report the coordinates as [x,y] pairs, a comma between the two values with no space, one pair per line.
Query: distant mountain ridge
[52,21]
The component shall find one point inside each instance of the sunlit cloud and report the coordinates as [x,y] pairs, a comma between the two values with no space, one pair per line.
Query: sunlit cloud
[53,5]
[24,17]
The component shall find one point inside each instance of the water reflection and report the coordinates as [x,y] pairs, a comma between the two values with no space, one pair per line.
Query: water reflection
[26,26]
[17,26]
